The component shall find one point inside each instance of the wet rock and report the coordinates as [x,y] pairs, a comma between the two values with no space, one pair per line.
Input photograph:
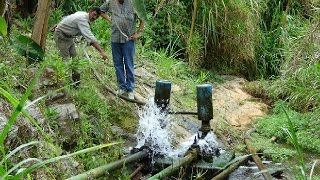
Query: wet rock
[122,133]
[277,171]
[68,124]
[35,112]
[66,111]
[192,125]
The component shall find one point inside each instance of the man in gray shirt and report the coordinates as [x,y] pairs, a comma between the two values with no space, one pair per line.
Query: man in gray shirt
[74,25]
[123,36]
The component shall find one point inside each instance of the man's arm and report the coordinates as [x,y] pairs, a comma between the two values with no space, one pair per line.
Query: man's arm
[101,51]
[85,30]
[104,9]
[106,17]
[140,30]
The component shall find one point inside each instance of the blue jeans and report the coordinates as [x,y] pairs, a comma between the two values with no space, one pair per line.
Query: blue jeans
[123,60]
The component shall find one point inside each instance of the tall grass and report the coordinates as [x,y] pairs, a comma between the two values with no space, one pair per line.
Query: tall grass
[230,44]
[291,132]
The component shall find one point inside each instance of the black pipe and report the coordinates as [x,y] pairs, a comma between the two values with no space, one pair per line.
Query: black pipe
[205,109]
[162,94]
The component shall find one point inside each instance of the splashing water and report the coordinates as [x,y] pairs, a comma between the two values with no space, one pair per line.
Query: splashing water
[153,130]
[209,144]
[156,132]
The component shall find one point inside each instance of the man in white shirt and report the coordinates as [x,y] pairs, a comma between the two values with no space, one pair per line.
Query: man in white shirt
[75,25]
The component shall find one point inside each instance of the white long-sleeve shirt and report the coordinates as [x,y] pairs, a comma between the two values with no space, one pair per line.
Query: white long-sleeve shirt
[77,24]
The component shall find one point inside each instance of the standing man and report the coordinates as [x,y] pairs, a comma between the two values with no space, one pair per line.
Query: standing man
[74,25]
[123,36]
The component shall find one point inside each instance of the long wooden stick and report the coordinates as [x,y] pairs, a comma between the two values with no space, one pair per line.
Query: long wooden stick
[255,157]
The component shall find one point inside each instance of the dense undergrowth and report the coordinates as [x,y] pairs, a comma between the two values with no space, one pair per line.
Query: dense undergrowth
[271,41]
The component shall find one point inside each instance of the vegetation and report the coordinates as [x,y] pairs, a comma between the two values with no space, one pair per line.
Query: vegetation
[275,43]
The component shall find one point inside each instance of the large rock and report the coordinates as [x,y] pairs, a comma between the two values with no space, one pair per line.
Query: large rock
[35,112]
[67,119]
[66,111]
[47,77]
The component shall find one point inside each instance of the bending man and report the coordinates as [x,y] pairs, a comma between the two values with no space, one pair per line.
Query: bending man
[74,25]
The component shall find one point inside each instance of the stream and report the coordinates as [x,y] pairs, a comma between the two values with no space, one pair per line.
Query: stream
[166,138]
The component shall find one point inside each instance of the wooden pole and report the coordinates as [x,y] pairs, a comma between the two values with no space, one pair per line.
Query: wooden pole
[255,157]
[174,167]
[40,27]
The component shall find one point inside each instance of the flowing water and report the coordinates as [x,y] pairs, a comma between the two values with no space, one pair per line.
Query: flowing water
[157,131]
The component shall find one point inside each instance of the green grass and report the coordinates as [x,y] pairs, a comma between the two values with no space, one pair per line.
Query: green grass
[306,126]
[301,131]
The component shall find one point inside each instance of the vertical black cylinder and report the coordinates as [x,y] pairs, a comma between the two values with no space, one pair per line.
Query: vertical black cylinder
[205,109]
[162,94]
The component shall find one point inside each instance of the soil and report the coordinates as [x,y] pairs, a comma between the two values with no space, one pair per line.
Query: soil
[235,106]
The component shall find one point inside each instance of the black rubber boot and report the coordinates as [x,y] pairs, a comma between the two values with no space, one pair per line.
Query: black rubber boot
[75,78]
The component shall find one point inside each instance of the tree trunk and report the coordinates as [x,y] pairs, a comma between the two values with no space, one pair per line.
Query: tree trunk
[40,27]
[194,16]
[2,7]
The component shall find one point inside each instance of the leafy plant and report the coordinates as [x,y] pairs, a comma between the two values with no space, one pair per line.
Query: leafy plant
[140,9]
[203,77]
[28,48]
[3,26]
[294,140]
[305,125]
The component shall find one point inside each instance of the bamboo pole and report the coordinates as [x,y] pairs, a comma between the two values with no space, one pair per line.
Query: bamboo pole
[134,173]
[229,170]
[175,166]
[100,171]
[255,157]
[183,112]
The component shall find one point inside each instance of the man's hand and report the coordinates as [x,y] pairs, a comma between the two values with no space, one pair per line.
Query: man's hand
[135,36]
[104,56]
